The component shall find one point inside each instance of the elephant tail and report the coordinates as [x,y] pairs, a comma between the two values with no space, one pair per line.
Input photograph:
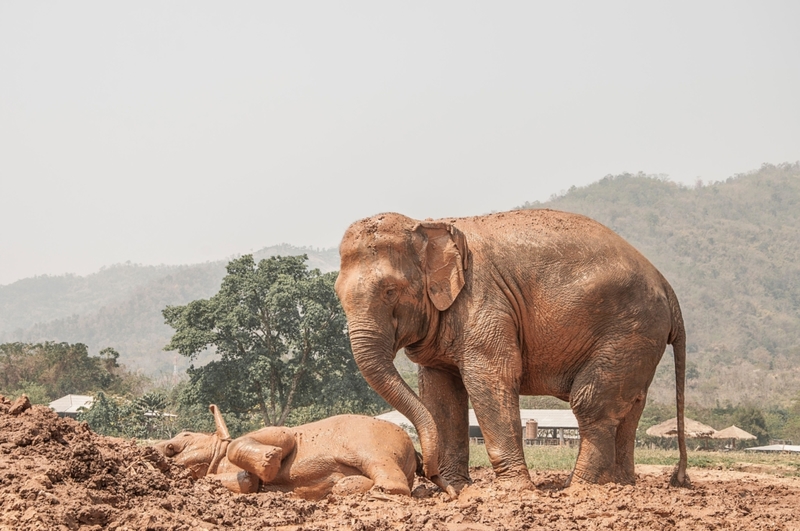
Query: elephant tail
[677,338]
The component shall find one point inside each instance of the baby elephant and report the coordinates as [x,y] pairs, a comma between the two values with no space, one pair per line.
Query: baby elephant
[343,454]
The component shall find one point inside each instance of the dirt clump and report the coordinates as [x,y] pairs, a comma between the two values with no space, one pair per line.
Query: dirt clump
[57,474]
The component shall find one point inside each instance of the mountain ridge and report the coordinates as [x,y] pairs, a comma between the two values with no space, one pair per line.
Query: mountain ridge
[124,312]
[730,249]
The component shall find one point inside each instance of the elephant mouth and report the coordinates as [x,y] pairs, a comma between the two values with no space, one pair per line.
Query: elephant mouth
[219,452]
[198,470]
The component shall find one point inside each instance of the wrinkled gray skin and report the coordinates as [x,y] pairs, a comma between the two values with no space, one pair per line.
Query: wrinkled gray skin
[532,302]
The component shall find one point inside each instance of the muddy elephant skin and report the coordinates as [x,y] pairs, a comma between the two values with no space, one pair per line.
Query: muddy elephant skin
[341,454]
[533,302]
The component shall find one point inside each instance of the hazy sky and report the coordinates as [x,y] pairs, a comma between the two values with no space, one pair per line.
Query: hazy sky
[179,132]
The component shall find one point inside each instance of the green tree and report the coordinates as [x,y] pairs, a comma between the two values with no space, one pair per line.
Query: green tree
[280,334]
[119,416]
[752,420]
[153,402]
[50,370]
[152,411]
[104,416]
[36,392]
[791,429]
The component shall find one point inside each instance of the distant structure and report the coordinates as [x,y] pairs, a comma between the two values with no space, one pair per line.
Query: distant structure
[67,406]
[776,448]
[539,426]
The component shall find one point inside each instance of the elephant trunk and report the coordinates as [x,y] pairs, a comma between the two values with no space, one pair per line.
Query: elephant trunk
[374,355]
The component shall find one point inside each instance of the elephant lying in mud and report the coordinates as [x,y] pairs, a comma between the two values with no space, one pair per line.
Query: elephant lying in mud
[531,302]
[344,454]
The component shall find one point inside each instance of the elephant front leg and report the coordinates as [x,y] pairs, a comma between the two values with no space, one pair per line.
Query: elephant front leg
[263,460]
[494,391]
[240,482]
[445,396]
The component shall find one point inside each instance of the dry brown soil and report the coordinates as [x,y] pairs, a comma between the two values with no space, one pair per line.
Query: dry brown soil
[57,474]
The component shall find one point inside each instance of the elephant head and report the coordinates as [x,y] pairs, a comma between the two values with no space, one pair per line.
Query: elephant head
[199,452]
[397,275]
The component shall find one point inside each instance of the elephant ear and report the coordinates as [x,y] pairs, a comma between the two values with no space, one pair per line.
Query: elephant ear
[445,257]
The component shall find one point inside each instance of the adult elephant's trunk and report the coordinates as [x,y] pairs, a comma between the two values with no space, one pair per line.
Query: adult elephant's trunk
[374,355]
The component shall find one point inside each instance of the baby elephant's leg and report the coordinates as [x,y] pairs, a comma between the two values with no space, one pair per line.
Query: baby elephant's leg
[390,478]
[352,485]
[241,482]
[263,460]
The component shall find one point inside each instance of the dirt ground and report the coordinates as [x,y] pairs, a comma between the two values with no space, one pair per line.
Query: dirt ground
[57,474]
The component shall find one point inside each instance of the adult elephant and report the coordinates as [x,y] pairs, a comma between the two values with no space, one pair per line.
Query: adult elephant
[533,302]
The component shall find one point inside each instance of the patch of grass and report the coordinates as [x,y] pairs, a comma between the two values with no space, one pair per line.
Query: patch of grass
[779,464]
[563,458]
[536,457]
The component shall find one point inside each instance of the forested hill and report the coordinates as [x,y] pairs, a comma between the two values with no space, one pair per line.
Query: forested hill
[731,251]
[120,306]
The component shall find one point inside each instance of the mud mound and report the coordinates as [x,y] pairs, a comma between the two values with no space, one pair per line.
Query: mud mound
[57,474]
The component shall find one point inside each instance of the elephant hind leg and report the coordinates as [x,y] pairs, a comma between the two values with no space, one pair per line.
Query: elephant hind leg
[352,485]
[595,462]
[599,413]
[390,478]
[240,482]
[388,472]
[626,440]
[607,398]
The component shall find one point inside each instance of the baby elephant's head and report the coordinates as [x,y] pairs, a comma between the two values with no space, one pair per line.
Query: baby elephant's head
[199,452]
[195,451]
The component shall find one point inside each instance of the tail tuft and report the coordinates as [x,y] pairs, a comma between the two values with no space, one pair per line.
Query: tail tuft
[680,479]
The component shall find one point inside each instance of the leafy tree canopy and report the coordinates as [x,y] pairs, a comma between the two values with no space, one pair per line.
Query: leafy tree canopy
[752,420]
[142,418]
[46,371]
[280,334]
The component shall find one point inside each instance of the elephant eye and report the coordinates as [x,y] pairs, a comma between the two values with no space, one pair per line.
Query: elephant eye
[390,294]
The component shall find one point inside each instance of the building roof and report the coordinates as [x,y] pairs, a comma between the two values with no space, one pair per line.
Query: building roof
[733,432]
[775,448]
[70,403]
[546,418]
[691,428]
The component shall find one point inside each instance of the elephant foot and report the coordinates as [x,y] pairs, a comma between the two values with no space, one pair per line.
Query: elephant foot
[459,483]
[263,460]
[239,482]
[389,485]
[352,485]
[625,478]
[516,483]
[589,478]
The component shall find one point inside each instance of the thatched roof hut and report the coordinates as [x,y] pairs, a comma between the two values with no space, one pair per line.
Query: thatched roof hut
[733,433]
[692,429]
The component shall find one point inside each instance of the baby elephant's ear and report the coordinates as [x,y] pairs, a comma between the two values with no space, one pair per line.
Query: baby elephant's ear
[445,257]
